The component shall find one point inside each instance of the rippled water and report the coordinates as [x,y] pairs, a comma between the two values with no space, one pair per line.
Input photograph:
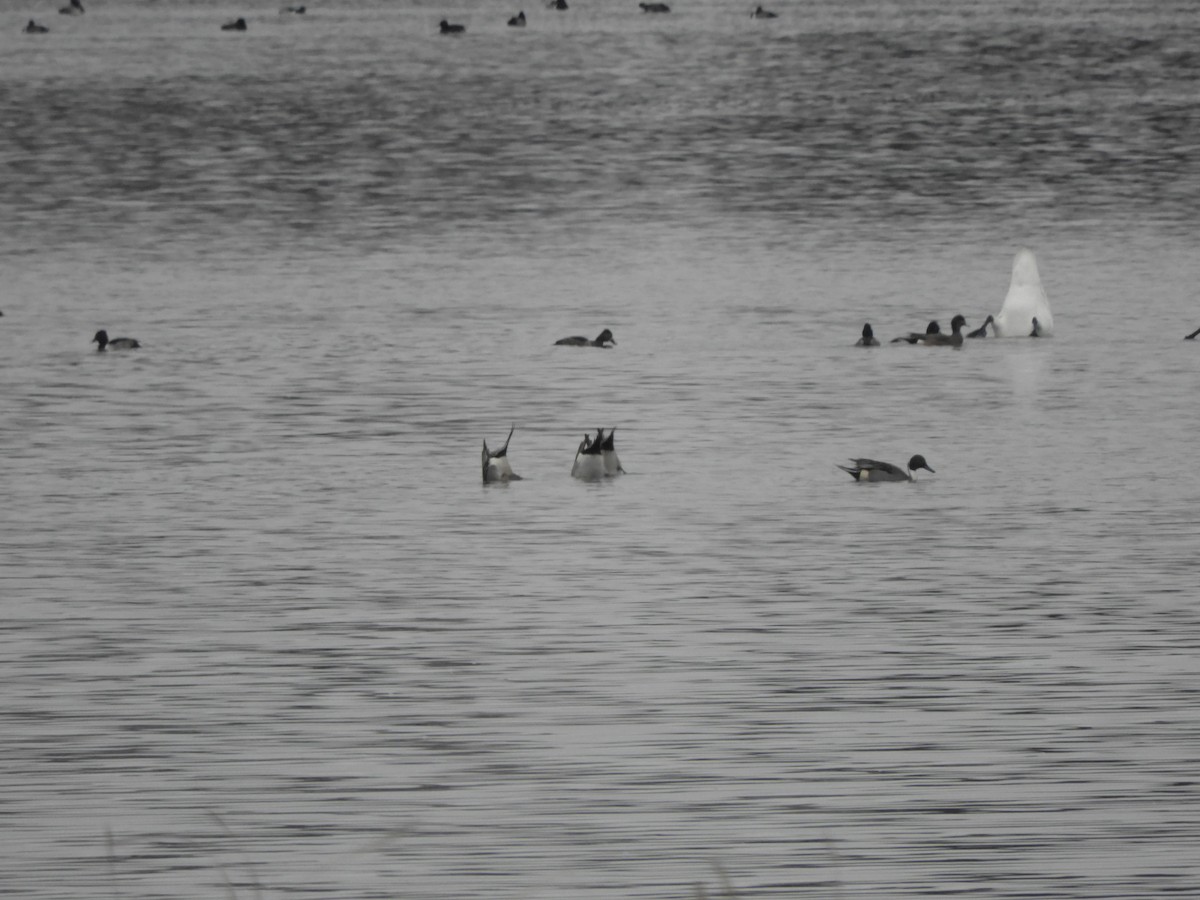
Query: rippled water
[267,635]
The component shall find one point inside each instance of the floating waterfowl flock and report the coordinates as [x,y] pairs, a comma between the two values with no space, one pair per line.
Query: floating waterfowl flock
[596,458]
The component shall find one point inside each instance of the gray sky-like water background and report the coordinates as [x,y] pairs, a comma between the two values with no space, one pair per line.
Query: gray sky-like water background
[264,631]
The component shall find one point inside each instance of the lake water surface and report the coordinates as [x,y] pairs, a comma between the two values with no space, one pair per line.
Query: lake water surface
[266,634]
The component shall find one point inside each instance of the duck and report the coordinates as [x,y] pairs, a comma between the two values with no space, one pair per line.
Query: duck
[589,458]
[760,13]
[34,28]
[603,339]
[447,28]
[1026,298]
[75,8]
[1036,328]
[874,470]
[557,4]
[1192,336]
[868,338]
[608,453]
[518,21]
[913,336]
[981,331]
[655,7]
[954,339]
[294,10]
[121,343]
[495,464]
[236,25]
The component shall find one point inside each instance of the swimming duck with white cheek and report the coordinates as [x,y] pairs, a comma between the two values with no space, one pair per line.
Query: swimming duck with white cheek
[495,464]
[874,470]
[121,343]
[603,339]
[868,338]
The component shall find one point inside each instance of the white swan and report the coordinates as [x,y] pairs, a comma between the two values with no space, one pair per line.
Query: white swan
[1026,301]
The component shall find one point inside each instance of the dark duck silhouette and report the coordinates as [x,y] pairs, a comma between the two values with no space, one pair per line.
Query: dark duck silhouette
[603,339]
[121,343]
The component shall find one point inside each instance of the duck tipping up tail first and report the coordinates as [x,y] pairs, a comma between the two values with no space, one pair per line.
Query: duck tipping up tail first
[495,465]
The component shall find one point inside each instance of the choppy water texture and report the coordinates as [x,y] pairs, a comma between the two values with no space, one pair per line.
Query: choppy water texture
[266,634]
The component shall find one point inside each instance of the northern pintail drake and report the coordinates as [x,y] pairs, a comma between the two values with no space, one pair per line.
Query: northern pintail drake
[1026,300]
[874,470]
[868,338]
[655,7]
[954,339]
[74,9]
[913,336]
[1192,336]
[981,331]
[236,25]
[518,21]
[589,459]
[121,343]
[760,13]
[34,28]
[495,464]
[608,453]
[447,28]
[603,339]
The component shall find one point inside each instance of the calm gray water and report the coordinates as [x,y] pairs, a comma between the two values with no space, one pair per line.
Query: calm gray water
[266,635]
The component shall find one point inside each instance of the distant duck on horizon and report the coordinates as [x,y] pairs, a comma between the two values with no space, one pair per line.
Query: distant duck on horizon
[238,24]
[34,28]
[447,28]
[518,21]
[74,9]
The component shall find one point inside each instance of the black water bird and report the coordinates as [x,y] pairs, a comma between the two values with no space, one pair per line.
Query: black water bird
[603,339]
[121,343]
[868,338]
